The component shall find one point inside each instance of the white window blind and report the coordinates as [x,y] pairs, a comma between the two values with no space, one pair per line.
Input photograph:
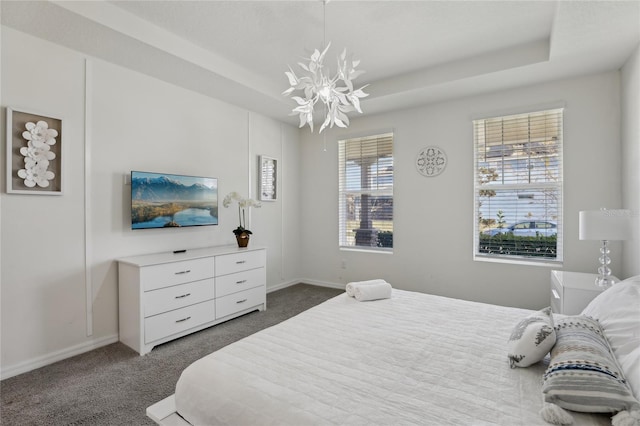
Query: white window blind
[365,180]
[518,186]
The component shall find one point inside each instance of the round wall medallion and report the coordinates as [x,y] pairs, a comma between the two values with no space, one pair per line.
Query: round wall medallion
[431,161]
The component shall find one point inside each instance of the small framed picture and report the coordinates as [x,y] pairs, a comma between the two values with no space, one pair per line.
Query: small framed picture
[34,153]
[268,176]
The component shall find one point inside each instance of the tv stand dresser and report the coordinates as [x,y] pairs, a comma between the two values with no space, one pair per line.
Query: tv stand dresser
[165,296]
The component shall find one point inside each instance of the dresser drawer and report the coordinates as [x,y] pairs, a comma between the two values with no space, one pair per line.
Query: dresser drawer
[168,274]
[236,302]
[236,262]
[172,322]
[177,296]
[233,283]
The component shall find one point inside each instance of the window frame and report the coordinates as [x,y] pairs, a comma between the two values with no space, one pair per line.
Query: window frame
[343,192]
[540,186]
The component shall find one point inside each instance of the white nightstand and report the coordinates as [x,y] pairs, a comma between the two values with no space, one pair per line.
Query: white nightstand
[571,292]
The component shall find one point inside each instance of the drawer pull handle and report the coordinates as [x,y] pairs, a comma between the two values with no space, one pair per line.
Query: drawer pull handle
[183,296]
[241,282]
[241,301]
[183,319]
[555,294]
[240,262]
[183,272]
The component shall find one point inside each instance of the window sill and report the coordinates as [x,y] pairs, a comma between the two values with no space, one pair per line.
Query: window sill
[365,250]
[515,261]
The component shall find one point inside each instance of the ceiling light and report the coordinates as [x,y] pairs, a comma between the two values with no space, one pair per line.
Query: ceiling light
[335,92]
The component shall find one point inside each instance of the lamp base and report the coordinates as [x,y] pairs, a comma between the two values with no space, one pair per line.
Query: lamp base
[604,282]
[604,279]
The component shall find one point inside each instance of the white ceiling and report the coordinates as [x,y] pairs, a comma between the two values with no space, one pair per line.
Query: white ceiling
[413,52]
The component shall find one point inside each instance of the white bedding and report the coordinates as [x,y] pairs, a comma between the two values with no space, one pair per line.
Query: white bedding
[412,359]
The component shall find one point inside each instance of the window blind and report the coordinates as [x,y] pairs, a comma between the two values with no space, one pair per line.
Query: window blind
[365,180]
[518,186]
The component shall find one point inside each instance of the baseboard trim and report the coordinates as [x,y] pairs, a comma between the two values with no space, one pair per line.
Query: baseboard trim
[323,283]
[282,285]
[41,361]
[305,281]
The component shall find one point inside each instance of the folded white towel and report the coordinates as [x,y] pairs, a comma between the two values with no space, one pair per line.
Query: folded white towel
[372,291]
[352,285]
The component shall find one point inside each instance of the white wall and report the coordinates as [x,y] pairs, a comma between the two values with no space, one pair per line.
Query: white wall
[43,293]
[278,220]
[433,217]
[134,122]
[631,158]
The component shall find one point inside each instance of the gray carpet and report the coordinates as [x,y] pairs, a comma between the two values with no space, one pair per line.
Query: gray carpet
[113,385]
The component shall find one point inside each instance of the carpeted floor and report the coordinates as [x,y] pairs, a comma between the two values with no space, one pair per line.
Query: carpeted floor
[113,385]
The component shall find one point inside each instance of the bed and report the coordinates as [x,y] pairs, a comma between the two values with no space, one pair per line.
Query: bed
[411,359]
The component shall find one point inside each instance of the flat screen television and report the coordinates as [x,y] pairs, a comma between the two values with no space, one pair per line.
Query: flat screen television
[162,200]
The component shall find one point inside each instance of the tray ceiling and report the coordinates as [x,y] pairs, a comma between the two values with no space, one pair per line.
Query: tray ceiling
[413,52]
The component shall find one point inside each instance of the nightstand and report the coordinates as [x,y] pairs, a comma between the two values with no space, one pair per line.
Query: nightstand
[571,292]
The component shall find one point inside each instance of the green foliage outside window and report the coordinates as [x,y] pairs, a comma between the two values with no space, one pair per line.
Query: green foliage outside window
[509,244]
[385,239]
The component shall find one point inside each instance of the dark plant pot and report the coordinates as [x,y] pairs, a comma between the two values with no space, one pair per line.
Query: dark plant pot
[243,239]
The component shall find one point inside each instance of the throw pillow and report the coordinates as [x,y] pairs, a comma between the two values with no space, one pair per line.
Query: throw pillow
[531,339]
[583,374]
[617,310]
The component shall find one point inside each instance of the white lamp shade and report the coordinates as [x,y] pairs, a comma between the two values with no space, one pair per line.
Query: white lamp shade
[605,224]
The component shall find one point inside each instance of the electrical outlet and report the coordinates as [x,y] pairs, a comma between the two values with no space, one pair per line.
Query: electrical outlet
[127,179]
[344,264]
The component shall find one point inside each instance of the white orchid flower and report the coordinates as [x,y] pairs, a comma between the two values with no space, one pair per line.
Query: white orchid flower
[243,204]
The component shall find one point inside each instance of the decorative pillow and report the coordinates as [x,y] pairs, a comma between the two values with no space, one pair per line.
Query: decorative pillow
[532,339]
[617,310]
[583,374]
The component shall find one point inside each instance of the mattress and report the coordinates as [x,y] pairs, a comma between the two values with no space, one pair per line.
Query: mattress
[413,359]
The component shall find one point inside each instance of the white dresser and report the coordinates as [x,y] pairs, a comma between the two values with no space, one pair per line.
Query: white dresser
[164,296]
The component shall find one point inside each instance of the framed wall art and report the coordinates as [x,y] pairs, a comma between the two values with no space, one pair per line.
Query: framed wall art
[34,153]
[268,175]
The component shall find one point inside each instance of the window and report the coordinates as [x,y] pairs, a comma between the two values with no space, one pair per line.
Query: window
[518,187]
[365,180]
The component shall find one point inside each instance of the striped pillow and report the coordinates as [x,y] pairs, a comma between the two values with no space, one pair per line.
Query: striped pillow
[583,374]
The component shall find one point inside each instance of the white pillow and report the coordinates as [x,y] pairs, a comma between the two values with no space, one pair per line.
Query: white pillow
[531,339]
[617,309]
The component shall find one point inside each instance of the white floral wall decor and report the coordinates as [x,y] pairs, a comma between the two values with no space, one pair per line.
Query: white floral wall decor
[34,163]
[37,154]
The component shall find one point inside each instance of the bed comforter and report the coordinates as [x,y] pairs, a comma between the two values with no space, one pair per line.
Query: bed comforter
[413,359]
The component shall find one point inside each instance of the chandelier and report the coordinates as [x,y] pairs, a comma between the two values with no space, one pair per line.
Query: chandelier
[335,92]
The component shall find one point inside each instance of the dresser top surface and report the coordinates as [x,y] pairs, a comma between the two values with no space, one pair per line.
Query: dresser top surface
[190,254]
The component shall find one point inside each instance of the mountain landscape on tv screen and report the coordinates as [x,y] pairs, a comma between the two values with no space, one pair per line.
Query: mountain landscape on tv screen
[161,201]
[163,188]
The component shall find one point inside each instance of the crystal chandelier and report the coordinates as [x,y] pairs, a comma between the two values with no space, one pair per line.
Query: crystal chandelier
[316,84]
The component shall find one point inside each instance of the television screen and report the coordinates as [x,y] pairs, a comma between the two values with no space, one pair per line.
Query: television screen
[161,200]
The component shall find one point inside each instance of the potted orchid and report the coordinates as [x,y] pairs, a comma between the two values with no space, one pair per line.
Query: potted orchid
[241,232]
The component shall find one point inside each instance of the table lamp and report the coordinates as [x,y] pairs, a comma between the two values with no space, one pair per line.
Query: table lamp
[605,225]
